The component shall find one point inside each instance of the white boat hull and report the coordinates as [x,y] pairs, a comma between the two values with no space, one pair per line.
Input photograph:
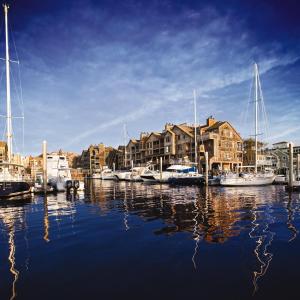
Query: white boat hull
[247,181]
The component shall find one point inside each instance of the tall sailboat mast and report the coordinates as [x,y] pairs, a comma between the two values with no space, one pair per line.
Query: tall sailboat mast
[256,112]
[195,126]
[125,152]
[8,100]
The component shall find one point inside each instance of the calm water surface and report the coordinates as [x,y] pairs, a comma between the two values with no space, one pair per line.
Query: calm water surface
[138,241]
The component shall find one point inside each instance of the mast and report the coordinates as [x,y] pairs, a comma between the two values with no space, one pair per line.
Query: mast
[256,112]
[195,126]
[125,152]
[8,100]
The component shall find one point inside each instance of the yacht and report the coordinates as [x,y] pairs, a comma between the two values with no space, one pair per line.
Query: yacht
[121,175]
[96,175]
[171,172]
[136,174]
[58,172]
[107,174]
[13,180]
[254,178]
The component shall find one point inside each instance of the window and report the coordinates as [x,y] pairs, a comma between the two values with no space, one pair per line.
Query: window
[167,149]
[167,139]
[178,137]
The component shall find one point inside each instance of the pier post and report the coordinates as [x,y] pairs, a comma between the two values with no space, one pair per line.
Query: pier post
[298,166]
[206,167]
[45,166]
[291,167]
[160,168]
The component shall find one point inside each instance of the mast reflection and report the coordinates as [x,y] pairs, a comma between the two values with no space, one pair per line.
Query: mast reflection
[261,232]
[46,220]
[290,218]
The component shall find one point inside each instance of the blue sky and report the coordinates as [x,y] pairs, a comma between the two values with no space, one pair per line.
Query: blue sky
[88,67]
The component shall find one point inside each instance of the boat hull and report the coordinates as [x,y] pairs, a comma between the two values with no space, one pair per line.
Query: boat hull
[188,180]
[240,181]
[14,188]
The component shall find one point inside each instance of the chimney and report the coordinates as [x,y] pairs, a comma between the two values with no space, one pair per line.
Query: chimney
[168,126]
[210,121]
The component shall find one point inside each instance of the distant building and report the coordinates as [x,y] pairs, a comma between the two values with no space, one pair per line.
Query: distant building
[95,158]
[280,156]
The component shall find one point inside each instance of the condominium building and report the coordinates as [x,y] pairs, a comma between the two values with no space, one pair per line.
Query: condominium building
[176,143]
[95,158]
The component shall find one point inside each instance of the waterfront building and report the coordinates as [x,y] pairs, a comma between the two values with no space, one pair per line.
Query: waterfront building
[95,158]
[223,144]
[264,157]
[176,144]
[3,151]
[280,156]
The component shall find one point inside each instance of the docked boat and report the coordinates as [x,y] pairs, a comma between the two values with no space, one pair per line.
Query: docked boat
[121,175]
[13,180]
[254,178]
[190,178]
[136,174]
[247,179]
[171,172]
[96,175]
[280,179]
[107,174]
[58,172]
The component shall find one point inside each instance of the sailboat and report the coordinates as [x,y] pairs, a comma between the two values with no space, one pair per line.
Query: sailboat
[12,176]
[256,178]
[191,176]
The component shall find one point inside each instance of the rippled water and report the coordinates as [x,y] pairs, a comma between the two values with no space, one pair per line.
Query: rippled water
[138,241]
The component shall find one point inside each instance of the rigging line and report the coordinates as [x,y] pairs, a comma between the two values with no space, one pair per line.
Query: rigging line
[13,39]
[265,115]
[16,91]
[20,96]
[245,114]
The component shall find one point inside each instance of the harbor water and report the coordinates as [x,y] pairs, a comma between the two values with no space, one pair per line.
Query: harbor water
[121,240]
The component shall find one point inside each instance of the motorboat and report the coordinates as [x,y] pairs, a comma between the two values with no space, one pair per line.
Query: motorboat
[136,174]
[107,174]
[280,179]
[171,172]
[58,172]
[121,175]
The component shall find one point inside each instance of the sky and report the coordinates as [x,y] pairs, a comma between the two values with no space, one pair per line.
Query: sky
[89,67]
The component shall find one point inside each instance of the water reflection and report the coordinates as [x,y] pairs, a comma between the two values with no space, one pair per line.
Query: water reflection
[12,216]
[206,216]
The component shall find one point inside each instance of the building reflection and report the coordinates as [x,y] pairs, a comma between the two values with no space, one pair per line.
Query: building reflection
[210,215]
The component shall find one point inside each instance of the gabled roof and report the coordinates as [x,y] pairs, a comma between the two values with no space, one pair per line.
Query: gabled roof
[157,134]
[186,129]
[218,124]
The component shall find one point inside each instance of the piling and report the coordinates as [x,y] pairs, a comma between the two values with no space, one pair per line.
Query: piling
[45,166]
[291,167]
[160,169]
[131,162]
[298,166]
[206,167]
